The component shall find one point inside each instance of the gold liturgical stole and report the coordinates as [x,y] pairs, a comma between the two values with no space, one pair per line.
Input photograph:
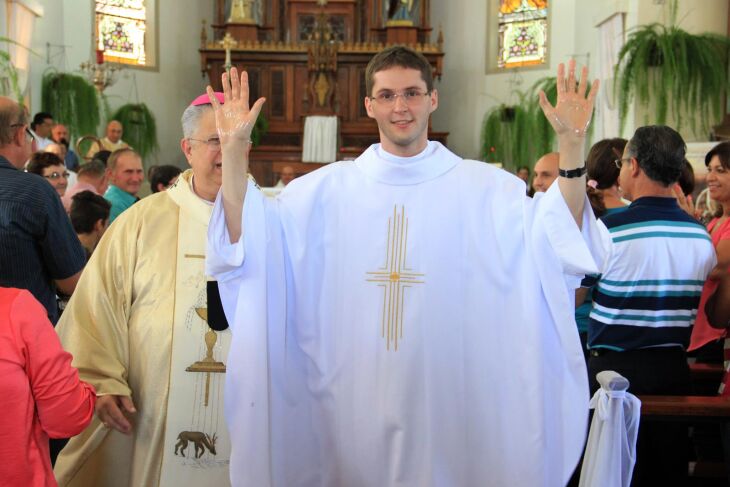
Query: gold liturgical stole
[197,447]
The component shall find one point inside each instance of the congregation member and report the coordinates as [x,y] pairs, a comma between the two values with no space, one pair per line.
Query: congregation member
[406,318]
[89,214]
[60,135]
[162,177]
[125,180]
[39,251]
[647,296]
[603,166]
[91,176]
[707,341]
[42,395]
[112,140]
[61,150]
[523,172]
[51,167]
[42,125]
[285,177]
[146,343]
[545,172]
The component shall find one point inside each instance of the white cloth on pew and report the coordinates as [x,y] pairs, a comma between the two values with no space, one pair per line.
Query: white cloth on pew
[611,450]
[320,139]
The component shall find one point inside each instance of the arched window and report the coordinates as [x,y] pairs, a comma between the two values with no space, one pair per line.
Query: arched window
[125,31]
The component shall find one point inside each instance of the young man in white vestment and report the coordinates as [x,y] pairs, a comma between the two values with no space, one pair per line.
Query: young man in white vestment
[405,319]
[139,328]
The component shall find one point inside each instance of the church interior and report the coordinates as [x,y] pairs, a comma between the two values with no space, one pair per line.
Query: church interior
[144,61]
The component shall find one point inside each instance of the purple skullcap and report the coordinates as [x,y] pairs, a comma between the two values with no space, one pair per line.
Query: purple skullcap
[204,100]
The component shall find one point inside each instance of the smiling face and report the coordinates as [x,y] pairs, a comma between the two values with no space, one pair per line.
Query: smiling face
[718,181]
[57,176]
[403,125]
[128,173]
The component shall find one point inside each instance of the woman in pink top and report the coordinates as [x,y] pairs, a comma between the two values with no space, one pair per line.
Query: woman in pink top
[41,395]
[718,184]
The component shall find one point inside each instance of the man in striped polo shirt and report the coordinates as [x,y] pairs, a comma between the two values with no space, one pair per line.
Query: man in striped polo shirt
[646,300]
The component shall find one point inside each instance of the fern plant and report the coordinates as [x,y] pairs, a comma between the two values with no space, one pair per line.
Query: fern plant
[504,136]
[71,100]
[8,74]
[140,129]
[680,73]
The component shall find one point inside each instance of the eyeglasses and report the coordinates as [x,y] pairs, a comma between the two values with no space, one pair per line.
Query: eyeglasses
[28,133]
[408,96]
[55,175]
[214,143]
[620,162]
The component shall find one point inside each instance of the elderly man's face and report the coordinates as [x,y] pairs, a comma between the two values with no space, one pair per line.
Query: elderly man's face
[59,133]
[287,175]
[114,131]
[203,152]
[128,173]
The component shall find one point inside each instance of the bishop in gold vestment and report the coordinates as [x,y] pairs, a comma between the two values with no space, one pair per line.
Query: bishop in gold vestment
[137,328]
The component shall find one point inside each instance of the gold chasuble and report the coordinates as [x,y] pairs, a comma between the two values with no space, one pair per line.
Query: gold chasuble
[137,325]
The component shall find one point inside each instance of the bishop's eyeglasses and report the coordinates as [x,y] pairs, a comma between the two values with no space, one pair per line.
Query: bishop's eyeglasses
[409,96]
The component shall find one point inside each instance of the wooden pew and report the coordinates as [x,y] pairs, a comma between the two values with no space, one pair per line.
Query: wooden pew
[683,408]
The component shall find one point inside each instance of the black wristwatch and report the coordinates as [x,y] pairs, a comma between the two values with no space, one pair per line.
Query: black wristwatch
[572,173]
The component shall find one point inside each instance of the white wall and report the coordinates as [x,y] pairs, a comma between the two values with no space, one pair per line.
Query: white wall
[166,91]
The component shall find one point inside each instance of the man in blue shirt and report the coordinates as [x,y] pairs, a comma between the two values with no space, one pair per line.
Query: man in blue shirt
[645,302]
[125,177]
[40,251]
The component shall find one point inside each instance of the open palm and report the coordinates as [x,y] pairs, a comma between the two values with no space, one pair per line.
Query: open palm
[573,110]
[234,119]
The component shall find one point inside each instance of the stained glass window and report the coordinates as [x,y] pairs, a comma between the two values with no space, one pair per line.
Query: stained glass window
[523,29]
[121,31]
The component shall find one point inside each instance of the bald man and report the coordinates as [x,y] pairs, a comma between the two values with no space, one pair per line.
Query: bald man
[545,172]
[286,176]
[112,141]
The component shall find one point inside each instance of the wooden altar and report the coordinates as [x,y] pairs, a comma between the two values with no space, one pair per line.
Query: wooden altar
[308,57]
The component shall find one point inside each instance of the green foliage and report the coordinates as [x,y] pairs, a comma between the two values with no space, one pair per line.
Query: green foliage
[8,71]
[72,101]
[140,129]
[681,73]
[518,135]
[259,130]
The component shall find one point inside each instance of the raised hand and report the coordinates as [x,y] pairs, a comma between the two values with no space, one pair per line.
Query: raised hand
[572,113]
[234,119]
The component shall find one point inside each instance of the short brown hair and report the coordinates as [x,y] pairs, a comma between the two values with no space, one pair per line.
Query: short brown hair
[402,57]
[41,160]
[722,151]
[112,162]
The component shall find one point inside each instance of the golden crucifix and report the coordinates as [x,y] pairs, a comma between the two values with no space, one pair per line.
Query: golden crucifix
[395,277]
[228,43]
[208,364]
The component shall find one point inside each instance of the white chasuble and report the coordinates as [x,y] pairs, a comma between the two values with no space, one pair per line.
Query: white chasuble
[405,322]
[196,448]
[134,325]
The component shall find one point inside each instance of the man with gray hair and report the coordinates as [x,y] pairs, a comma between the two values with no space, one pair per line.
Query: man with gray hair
[154,344]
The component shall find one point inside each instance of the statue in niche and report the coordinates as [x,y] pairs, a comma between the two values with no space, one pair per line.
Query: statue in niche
[402,12]
[244,11]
